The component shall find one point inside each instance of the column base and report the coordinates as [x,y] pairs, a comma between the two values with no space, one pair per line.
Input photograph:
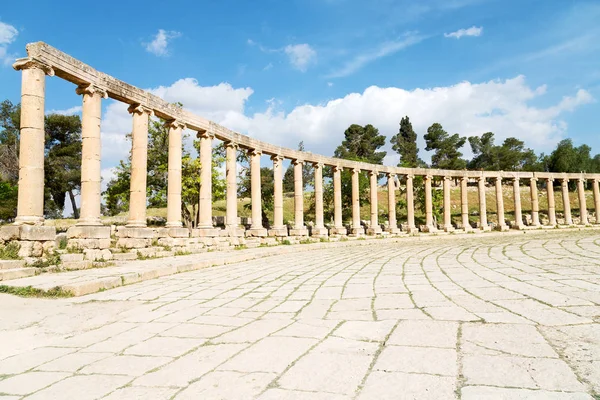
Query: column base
[299,231]
[234,231]
[520,227]
[449,228]
[256,232]
[485,228]
[281,231]
[29,220]
[338,230]
[88,232]
[178,232]
[357,231]
[28,232]
[136,233]
[502,228]
[319,232]
[410,229]
[375,231]
[428,228]
[393,231]
[206,232]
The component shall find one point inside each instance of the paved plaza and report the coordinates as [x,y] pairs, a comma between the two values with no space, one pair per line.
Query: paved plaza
[473,317]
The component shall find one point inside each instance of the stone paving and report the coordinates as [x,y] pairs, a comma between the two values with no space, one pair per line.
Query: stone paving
[498,317]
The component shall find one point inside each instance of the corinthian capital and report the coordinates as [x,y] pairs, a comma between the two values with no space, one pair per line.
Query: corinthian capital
[91,89]
[28,63]
[139,109]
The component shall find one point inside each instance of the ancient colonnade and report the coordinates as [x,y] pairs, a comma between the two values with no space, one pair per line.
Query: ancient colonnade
[94,86]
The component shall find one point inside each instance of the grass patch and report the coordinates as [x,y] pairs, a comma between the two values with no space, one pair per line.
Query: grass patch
[10,251]
[286,242]
[62,244]
[29,291]
[49,260]
[182,253]
[240,247]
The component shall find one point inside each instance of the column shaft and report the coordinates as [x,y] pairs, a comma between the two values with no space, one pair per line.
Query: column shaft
[337,201]
[428,205]
[277,192]
[30,206]
[410,204]
[319,228]
[298,195]
[174,175]
[596,189]
[500,205]
[551,202]
[392,220]
[535,205]
[356,226]
[483,223]
[257,225]
[447,206]
[566,201]
[517,201]
[583,215]
[139,163]
[205,203]
[231,214]
[464,204]
[375,228]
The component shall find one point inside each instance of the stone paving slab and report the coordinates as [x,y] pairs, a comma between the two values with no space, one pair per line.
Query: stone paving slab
[454,317]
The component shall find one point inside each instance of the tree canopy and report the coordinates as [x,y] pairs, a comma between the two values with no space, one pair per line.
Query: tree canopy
[445,147]
[405,144]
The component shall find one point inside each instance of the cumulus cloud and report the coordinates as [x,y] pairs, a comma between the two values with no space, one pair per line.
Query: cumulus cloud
[301,55]
[8,34]
[472,31]
[159,45]
[69,111]
[500,106]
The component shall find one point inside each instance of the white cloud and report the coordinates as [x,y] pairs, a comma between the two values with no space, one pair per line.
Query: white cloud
[301,55]
[8,34]
[383,50]
[472,31]
[69,111]
[502,107]
[158,46]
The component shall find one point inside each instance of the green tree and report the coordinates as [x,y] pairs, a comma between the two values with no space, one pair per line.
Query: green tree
[10,117]
[405,144]
[307,174]
[446,148]
[568,158]
[8,201]
[510,156]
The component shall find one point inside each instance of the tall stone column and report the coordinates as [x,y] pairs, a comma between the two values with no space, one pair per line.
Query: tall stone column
[535,205]
[517,201]
[231,213]
[583,215]
[564,183]
[319,228]
[464,204]
[483,223]
[596,189]
[257,228]
[551,202]
[278,228]
[139,163]
[428,206]
[500,205]
[392,220]
[30,206]
[299,228]
[447,206]
[205,203]
[410,205]
[357,229]
[375,229]
[339,228]
[174,174]
[90,154]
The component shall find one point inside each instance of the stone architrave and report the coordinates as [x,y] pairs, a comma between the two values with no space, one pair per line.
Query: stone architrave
[139,166]
[410,205]
[583,214]
[357,228]
[278,228]
[483,222]
[551,202]
[428,206]
[596,190]
[517,201]
[392,219]
[30,206]
[447,205]
[464,204]
[535,205]
[564,183]
[500,205]
[257,228]
[319,229]
[375,229]
[338,224]
[299,229]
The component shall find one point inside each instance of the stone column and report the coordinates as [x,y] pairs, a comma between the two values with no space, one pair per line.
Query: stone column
[139,162]
[319,228]
[551,202]
[410,205]
[464,204]
[30,206]
[517,201]
[357,229]
[339,228]
[257,228]
[174,175]
[205,202]
[278,229]
[483,223]
[392,220]
[500,205]
[447,206]
[231,214]
[375,229]
[90,154]
[583,215]
[535,205]
[566,201]
[428,206]
[299,228]
[596,189]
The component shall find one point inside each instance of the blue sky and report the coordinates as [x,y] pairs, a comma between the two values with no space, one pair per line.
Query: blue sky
[285,71]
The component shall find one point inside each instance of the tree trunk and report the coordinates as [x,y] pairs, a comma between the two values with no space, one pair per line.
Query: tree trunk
[74,205]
